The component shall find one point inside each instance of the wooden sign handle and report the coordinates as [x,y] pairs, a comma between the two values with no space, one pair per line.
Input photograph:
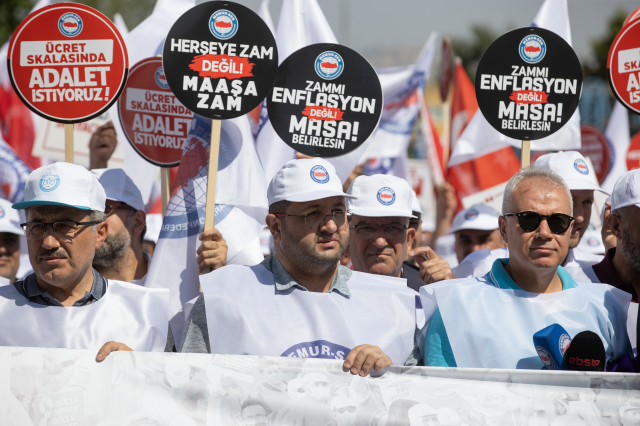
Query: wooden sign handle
[525,154]
[209,217]
[165,180]
[68,143]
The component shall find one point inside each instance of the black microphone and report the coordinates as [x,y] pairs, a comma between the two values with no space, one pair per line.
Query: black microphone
[586,353]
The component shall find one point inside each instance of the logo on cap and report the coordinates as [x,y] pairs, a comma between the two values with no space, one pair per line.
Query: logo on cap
[1,212]
[329,65]
[49,182]
[161,79]
[563,344]
[319,174]
[471,215]
[386,196]
[545,356]
[532,49]
[593,242]
[70,24]
[223,24]
[581,166]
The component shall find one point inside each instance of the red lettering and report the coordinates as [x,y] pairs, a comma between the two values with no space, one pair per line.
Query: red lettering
[522,97]
[323,113]
[216,66]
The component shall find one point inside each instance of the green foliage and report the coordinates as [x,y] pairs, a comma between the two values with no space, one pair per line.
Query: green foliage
[12,12]
[470,50]
[600,46]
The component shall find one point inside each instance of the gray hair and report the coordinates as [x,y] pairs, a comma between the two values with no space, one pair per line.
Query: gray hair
[96,216]
[531,173]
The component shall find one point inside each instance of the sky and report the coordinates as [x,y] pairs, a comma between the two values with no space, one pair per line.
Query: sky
[370,26]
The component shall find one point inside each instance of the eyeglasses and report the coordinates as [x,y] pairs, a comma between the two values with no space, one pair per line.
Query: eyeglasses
[530,221]
[61,230]
[315,218]
[349,409]
[109,208]
[391,231]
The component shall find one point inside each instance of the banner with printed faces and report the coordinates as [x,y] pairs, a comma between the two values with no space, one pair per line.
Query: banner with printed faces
[326,100]
[528,83]
[67,62]
[220,60]
[153,119]
[624,65]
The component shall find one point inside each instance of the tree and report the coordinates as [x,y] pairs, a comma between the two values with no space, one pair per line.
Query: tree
[12,12]
[470,50]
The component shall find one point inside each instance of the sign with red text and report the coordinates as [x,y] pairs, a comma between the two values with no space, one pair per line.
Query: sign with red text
[67,62]
[153,119]
[220,60]
[326,100]
[528,83]
[624,66]
[595,146]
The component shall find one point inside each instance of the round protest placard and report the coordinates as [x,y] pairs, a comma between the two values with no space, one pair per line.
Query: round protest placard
[326,100]
[624,66]
[633,153]
[220,59]
[595,146]
[154,121]
[528,83]
[67,62]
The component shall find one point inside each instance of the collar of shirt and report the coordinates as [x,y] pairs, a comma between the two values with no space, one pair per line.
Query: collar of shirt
[30,289]
[501,279]
[284,281]
[608,275]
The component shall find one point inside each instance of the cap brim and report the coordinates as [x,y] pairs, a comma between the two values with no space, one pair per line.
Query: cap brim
[382,213]
[485,225]
[24,204]
[11,229]
[584,185]
[317,195]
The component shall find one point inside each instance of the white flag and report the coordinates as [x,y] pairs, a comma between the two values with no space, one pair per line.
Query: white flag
[617,134]
[118,20]
[480,138]
[241,206]
[263,12]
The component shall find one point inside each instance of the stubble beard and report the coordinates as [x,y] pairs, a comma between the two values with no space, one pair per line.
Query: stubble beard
[630,251]
[112,251]
[308,258]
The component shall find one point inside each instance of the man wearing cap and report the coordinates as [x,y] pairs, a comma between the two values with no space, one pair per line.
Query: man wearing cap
[301,302]
[476,228]
[65,224]
[489,322]
[10,232]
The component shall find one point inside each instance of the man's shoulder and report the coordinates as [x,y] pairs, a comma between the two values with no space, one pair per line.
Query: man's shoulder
[586,258]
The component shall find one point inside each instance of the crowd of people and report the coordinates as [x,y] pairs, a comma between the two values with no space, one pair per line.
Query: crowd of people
[350,276]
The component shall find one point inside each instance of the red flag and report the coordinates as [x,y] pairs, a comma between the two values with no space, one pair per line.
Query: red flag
[463,104]
[17,125]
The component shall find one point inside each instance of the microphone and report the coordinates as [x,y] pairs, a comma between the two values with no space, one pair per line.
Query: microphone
[551,345]
[586,353]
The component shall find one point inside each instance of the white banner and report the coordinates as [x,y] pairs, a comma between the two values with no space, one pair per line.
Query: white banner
[67,387]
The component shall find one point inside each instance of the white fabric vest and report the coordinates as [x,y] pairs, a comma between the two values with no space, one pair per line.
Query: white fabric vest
[490,327]
[246,316]
[127,313]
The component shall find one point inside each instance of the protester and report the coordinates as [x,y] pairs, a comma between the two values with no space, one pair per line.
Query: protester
[10,232]
[102,144]
[489,322]
[338,314]
[476,228]
[608,239]
[121,257]
[65,225]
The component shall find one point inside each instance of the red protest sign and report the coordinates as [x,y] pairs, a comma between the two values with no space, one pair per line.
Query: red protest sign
[67,62]
[596,147]
[154,121]
[633,153]
[624,65]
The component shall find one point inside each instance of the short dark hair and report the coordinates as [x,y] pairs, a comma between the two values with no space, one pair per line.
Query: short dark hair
[280,207]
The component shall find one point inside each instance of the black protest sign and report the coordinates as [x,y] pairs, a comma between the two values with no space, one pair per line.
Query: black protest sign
[528,83]
[326,100]
[220,59]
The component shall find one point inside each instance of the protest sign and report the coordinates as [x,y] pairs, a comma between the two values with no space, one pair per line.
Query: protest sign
[633,154]
[596,147]
[326,100]
[623,64]
[528,84]
[68,63]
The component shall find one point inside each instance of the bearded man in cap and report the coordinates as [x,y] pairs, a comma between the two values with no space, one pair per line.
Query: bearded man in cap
[301,302]
[65,224]
[10,233]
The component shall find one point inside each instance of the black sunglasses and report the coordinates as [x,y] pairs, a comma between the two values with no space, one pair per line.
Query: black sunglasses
[530,221]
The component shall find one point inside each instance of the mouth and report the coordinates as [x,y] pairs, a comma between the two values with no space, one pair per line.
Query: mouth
[543,250]
[327,243]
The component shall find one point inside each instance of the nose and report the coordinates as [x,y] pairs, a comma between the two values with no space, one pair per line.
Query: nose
[543,230]
[329,225]
[49,242]
[578,213]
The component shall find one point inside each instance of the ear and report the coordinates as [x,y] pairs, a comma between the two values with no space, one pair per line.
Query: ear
[615,225]
[275,227]
[139,222]
[102,231]
[502,225]
[411,235]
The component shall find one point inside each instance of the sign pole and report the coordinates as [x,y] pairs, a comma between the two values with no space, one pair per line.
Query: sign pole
[68,143]
[525,154]
[446,132]
[165,187]
[214,148]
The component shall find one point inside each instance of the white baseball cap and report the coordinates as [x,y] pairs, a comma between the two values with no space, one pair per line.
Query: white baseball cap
[119,187]
[63,184]
[572,167]
[341,401]
[626,191]
[380,196]
[305,180]
[9,218]
[415,203]
[478,216]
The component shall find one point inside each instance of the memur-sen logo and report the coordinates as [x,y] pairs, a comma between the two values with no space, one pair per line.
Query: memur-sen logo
[471,215]
[317,349]
[223,24]
[532,49]
[563,344]
[329,65]
[581,166]
[319,174]
[49,182]
[1,212]
[161,79]
[546,358]
[386,196]
[70,24]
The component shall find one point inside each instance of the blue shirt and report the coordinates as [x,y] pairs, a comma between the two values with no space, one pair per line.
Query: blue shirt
[437,349]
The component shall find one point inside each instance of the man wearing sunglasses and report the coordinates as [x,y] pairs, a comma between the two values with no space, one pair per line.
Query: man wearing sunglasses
[301,302]
[65,224]
[489,322]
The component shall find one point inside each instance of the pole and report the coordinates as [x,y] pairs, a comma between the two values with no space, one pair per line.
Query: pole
[165,180]
[209,217]
[445,139]
[525,154]
[68,143]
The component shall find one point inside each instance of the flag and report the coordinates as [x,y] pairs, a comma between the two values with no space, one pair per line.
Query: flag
[118,20]
[13,174]
[464,104]
[480,138]
[617,133]
[240,209]
[432,143]
[254,115]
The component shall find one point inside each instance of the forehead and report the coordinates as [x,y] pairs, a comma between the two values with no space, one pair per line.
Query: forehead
[540,195]
[324,203]
[42,213]
[378,220]
[471,233]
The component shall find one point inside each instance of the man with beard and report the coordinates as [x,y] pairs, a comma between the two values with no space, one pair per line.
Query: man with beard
[301,302]
[10,233]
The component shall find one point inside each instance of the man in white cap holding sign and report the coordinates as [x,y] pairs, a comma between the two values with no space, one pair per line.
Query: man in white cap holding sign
[301,302]
[10,232]
[64,207]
